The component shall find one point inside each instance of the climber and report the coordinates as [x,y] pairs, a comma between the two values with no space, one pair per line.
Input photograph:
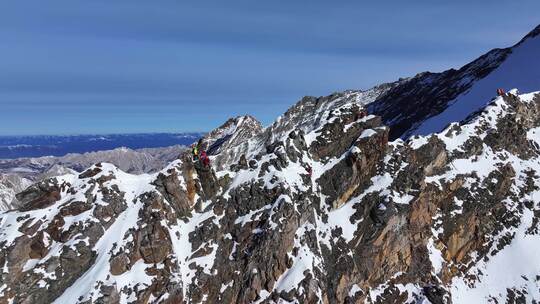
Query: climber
[363,113]
[195,152]
[309,170]
[500,92]
[205,160]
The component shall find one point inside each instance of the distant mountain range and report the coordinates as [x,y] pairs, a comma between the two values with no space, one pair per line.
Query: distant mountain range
[17,174]
[59,145]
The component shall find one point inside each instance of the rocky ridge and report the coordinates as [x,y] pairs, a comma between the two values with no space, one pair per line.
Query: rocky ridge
[427,102]
[431,219]
[307,116]
[233,132]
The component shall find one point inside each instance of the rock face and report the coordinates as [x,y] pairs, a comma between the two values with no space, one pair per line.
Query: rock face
[317,208]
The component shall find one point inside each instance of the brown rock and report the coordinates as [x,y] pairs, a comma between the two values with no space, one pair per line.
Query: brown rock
[119,264]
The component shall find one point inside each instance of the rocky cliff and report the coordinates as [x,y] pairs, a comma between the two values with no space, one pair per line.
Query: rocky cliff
[317,208]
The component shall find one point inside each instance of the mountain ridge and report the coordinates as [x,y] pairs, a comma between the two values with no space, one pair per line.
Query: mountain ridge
[319,207]
[428,95]
[217,215]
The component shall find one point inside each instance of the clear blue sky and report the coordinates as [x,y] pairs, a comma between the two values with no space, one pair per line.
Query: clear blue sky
[101,66]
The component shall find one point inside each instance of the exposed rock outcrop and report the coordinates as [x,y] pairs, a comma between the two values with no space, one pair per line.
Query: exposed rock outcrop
[309,216]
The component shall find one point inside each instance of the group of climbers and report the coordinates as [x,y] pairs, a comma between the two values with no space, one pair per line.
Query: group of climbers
[200,155]
[501,92]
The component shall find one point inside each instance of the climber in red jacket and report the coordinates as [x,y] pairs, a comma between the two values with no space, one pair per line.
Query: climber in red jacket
[363,113]
[204,158]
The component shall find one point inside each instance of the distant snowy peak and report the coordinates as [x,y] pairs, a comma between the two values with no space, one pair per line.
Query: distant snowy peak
[428,102]
[232,133]
[132,161]
[308,116]
[10,185]
[56,170]
[12,147]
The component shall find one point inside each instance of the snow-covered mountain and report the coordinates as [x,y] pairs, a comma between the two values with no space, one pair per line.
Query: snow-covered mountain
[451,216]
[319,207]
[307,114]
[17,174]
[232,133]
[129,160]
[428,102]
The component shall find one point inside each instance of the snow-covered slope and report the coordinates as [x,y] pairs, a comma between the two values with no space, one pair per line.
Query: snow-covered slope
[484,228]
[428,102]
[520,69]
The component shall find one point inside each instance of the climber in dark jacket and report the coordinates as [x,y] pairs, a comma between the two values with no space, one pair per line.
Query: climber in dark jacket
[309,170]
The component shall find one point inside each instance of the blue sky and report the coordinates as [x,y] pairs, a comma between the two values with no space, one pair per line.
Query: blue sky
[72,66]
